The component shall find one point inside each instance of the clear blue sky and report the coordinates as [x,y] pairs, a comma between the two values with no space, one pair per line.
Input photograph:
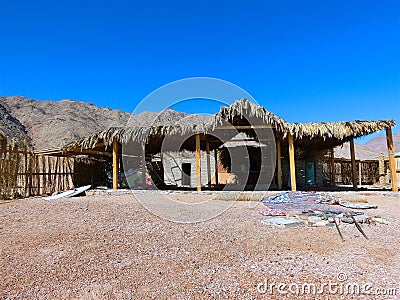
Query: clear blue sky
[303,60]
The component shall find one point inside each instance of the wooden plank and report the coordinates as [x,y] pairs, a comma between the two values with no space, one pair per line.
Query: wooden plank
[48,186]
[216,167]
[392,163]
[37,168]
[198,166]
[115,164]
[353,164]
[333,175]
[26,176]
[279,163]
[71,179]
[292,163]
[43,186]
[15,151]
[208,164]
[144,164]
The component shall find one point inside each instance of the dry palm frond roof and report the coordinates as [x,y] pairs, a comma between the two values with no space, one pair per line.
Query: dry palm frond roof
[169,123]
[339,130]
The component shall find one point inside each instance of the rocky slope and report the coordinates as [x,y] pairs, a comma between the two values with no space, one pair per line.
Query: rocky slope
[378,144]
[54,123]
[10,127]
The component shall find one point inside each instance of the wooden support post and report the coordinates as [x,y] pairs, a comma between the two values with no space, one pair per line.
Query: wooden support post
[382,172]
[208,164]
[216,167]
[25,173]
[144,164]
[115,164]
[48,186]
[353,164]
[279,163]
[360,173]
[292,163]
[333,175]
[37,170]
[392,163]
[198,166]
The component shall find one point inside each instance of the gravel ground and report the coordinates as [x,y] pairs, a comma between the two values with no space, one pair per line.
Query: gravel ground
[109,246]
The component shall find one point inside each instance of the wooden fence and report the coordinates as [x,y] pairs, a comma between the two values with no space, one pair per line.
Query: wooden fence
[369,173]
[24,173]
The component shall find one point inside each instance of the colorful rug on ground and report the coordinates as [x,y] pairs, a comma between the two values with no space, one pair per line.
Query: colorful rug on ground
[304,201]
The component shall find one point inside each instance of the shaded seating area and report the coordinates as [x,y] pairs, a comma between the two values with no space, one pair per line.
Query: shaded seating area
[289,155]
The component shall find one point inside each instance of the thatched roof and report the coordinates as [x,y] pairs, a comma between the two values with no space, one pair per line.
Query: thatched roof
[246,109]
[339,130]
[148,125]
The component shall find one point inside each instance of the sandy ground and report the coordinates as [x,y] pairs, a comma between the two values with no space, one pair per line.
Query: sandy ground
[102,247]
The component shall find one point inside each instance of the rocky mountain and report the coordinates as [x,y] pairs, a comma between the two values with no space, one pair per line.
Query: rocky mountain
[11,128]
[378,144]
[52,124]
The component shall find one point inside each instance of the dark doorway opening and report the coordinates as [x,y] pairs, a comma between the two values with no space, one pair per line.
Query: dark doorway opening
[186,172]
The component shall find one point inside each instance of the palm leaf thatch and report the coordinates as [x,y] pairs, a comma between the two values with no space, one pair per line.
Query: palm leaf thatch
[141,127]
[338,130]
[245,109]
[171,123]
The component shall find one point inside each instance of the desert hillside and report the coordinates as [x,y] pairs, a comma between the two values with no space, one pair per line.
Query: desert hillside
[54,123]
[378,144]
[10,127]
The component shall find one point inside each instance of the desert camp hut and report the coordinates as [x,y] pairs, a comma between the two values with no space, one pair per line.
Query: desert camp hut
[299,146]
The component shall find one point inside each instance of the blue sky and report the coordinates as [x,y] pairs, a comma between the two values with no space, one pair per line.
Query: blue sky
[303,60]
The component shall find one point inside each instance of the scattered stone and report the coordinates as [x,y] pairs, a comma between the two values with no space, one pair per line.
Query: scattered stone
[380,220]
[314,219]
[347,220]
[282,222]
[362,219]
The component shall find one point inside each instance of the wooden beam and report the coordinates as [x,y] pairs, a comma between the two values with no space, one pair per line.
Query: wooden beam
[392,163]
[208,164]
[43,186]
[198,166]
[353,164]
[279,163]
[115,164]
[382,172]
[292,163]
[360,173]
[216,167]
[144,164]
[333,175]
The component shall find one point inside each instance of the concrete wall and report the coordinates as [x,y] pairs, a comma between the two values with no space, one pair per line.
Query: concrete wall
[173,161]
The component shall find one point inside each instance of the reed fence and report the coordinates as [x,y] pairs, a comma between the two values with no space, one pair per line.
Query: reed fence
[24,173]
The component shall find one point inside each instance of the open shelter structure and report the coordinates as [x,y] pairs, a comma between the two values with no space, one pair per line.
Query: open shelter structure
[299,146]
